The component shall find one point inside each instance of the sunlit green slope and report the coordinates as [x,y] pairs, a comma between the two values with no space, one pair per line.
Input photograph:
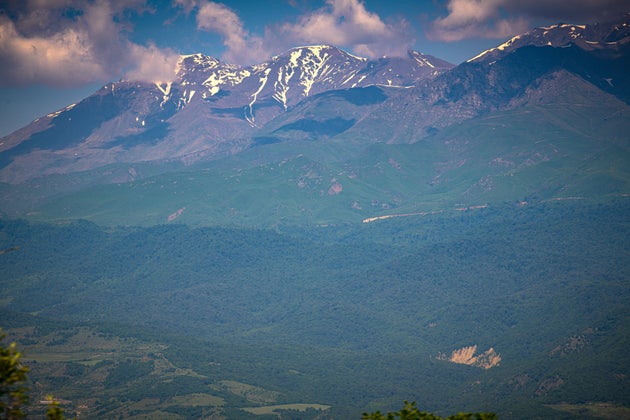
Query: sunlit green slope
[572,143]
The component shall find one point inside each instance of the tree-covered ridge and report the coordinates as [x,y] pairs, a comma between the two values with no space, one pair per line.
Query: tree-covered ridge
[339,316]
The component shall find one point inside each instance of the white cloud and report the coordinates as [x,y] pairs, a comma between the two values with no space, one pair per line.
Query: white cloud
[65,57]
[187,5]
[240,45]
[347,23]
[343,23]
[71,42]
[476,19]
[151,64]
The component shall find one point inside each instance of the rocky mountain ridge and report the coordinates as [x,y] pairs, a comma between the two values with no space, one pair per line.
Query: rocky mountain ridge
[214,109]
[210,110]
[610,37]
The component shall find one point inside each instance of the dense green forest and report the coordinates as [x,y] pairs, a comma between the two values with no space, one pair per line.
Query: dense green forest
[328,322]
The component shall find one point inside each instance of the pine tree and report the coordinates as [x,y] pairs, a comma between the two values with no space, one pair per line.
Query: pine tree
[13,391]
[411,412]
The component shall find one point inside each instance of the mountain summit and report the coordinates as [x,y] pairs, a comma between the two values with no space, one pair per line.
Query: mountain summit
[210,110]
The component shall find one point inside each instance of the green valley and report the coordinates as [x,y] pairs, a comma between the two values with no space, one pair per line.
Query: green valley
[191,322]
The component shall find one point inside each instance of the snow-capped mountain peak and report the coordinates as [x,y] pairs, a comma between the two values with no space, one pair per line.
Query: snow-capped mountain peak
[296,74]
[211,107]
[197,60]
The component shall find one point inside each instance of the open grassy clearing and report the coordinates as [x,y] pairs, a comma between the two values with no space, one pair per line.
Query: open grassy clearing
[275,409]
[195,400]
[110,367]
[598,410]
[250,393]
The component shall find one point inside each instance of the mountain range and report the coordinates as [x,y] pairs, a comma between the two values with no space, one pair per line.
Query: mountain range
[547,99]
[211,109]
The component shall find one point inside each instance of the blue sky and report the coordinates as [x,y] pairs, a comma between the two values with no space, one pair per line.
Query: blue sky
[56,52]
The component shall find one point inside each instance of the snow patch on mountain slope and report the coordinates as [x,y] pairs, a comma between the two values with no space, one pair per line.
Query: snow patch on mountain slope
[231,76]
[501,47]
[186,98]
[285,74]
[563,25]
[423,61]
[166,92]
[313,64]
[362,78]
[54,114]
[350,77]
[249,116]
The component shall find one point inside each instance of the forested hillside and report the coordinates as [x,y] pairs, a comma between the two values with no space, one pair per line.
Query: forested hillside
[514,309]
